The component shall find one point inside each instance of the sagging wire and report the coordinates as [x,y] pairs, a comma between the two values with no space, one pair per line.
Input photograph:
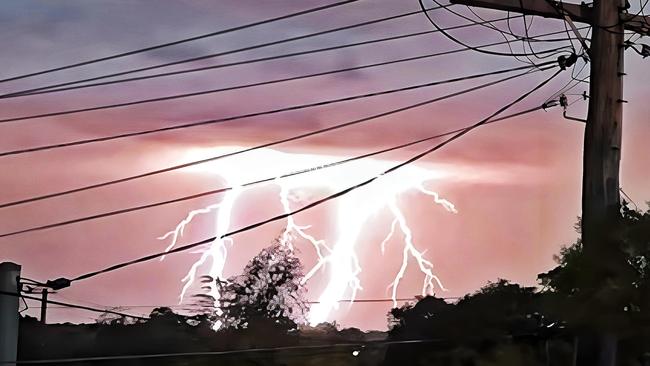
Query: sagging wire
[629,199]
[644,51]
[503,34]
[457,41]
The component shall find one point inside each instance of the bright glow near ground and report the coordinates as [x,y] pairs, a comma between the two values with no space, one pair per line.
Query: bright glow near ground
[354,210]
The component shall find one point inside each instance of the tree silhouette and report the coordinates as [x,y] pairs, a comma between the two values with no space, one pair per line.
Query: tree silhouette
[615,300]
[269,291]
[500,317]
[605,297]
[109,318]
[497,310]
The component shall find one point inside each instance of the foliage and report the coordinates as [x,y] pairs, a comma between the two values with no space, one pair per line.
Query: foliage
[504,323]
[270,290]
[501,324]
[498,309]
[108,318]
[477,329]
[616,299]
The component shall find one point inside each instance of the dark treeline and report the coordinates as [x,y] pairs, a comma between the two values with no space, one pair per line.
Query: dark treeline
[580,301]
[167,332]
[503,323]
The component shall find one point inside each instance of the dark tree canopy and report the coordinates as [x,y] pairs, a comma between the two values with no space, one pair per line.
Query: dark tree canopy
[618,298]
[270,290]
[497,310]
[585,294]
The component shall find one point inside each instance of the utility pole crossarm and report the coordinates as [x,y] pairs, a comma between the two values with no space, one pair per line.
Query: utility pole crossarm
[545,8]
[637,23]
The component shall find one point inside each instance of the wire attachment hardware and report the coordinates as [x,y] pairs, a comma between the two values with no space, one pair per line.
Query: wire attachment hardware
[566,62]
[58,284]
[564,103]
[550,104]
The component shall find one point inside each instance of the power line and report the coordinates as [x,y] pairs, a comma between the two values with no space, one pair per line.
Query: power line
[118,105]
[236,87]
[350,346]
[630,200]
[354,301]
[488,23]
[248,115]
[69,305]
[572,83]
[238,50]
[277,142]
[455,40]
[26,93]
[185,40]
[503,33]
[527,29]
[257,182]
[526,40]
[359,346]
[257,147]
[322,200]
[354,346]
[568,86]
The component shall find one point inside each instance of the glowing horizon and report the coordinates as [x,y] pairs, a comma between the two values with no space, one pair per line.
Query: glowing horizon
[352,213]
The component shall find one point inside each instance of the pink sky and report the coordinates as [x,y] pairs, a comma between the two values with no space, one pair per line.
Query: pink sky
[516,184]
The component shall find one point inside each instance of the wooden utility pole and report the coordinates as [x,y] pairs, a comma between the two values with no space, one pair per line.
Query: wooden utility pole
[9,274]
[602,138]
[44,306]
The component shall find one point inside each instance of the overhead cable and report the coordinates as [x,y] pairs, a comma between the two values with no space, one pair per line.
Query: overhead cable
[261,146]
[264,180]
[47,90]
[185,40]
[317,202]
[72,306]
[236,50]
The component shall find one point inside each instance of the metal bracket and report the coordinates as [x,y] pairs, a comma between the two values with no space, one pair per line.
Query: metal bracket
[564,102]
[573,118]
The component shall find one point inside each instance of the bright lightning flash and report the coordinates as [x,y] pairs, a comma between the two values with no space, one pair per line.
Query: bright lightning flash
[353,211]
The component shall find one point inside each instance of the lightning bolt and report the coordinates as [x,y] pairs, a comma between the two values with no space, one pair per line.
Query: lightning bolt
[292,227]
[409,248]
[216,251]
[339,260]
[387,238]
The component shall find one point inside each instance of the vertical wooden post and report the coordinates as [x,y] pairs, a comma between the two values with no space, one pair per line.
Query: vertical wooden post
[44,306]
[601,161]
[602,140]
[9,274]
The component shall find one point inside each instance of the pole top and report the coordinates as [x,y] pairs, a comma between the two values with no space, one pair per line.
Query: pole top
[11,266]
